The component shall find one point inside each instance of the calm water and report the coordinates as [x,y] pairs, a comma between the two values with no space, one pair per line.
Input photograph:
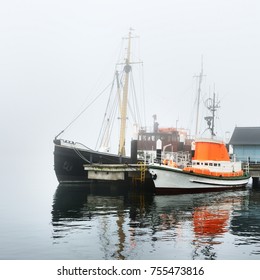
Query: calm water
[111,222]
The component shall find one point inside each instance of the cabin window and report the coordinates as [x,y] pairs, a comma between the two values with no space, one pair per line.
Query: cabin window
[210,164]
[215,164]
[206,163]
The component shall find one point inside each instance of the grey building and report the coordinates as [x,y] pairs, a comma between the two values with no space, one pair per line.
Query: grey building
[246,144]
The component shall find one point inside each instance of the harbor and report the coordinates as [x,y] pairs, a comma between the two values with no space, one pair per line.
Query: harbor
[200,163]
[196,162]
[130,139]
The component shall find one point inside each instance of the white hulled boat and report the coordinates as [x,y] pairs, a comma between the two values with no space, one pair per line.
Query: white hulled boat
[210,168]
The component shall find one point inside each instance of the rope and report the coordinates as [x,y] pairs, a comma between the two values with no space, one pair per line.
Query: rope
[80,155]
[95,99]
[108,119]
[86,160]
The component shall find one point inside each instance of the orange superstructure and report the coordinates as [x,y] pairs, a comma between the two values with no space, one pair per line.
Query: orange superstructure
[210,150]
[211,158]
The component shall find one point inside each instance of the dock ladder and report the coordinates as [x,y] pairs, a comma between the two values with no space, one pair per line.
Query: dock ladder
[142,170]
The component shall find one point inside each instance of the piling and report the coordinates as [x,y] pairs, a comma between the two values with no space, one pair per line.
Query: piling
[134,151]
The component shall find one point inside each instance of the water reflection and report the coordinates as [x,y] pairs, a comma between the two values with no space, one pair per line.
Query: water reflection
[245,223]
[211,222]
[121,222]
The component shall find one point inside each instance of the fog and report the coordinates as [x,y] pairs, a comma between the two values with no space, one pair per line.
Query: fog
[53,53]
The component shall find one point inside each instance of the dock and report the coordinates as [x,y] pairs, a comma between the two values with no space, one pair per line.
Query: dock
[254,171]
[118,172]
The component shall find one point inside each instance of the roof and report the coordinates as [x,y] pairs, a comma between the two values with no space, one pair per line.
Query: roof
[245,136]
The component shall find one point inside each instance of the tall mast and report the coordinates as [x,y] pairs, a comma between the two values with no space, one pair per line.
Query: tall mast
[127,69]
[198,101]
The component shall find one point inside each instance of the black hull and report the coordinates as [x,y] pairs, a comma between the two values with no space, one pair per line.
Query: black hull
[69,161]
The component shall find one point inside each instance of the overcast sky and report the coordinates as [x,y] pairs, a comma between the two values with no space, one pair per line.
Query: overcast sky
[53,52]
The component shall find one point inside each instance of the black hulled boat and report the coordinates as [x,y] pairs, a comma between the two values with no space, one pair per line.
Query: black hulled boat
[70,157]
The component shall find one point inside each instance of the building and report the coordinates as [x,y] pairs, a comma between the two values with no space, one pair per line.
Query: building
[245,142]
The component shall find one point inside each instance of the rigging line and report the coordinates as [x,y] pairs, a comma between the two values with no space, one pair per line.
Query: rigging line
[112,104]
[103,126]
[135,109]
[143,94]
[132,110]
[107,125]
[112,118]
[137,115]
[83,111]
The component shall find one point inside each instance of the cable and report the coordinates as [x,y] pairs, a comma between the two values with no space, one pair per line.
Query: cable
[83,110]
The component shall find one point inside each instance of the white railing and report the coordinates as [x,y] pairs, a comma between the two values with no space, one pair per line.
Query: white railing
[180,158]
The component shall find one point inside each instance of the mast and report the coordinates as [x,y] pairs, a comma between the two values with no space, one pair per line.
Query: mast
[123,111]
[198,101]
[213,115]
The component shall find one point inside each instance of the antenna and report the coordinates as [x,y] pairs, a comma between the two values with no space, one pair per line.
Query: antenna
[212,105]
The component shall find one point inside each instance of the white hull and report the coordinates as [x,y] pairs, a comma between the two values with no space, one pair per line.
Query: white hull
[169,179]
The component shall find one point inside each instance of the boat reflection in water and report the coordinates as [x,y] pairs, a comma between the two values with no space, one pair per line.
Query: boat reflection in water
[105,221]
[210,224]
